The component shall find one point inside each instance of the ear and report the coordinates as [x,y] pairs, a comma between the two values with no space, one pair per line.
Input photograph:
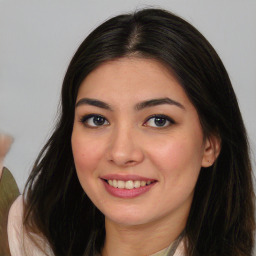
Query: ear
[211,152]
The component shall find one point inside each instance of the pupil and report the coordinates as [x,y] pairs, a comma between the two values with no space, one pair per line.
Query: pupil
[160,121]
[98,120]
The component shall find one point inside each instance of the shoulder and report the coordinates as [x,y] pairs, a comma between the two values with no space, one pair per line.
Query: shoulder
[15,227]
[20,241]
[16,210]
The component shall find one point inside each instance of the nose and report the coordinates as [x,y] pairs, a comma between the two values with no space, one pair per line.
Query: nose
[125,148]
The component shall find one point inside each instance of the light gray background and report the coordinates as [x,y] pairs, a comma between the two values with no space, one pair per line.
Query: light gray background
[38,39]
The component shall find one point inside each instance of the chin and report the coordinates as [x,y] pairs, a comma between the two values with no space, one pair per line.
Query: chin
[131,217]
[127,220]
[126,217]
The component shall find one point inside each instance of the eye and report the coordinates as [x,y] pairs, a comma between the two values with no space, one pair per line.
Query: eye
[159,121]
[93,120]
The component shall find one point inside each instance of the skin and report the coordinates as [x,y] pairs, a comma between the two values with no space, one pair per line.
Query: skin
[130,142]
[5,143]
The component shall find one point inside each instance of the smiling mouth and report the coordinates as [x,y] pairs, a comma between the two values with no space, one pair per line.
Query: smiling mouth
[129,184]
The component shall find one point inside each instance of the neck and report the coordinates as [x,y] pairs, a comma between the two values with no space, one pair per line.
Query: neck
[144,239]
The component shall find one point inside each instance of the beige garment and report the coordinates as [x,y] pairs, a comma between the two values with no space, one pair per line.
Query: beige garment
[179,251]
[20,244]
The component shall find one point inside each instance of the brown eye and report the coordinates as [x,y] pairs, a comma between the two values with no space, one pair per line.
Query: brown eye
[159,121]
[94,121]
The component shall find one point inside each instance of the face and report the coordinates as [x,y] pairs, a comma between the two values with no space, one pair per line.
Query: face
[137,142]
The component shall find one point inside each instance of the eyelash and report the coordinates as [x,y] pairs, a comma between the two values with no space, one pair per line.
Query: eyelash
[164,117]
[84,120]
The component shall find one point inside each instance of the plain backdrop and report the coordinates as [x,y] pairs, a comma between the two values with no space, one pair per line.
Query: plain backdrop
[38,39]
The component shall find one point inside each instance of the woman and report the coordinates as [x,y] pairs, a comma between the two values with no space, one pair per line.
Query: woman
[150,154]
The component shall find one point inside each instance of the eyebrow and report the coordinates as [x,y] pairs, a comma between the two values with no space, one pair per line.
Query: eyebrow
[156,102]
[139,106]
[93,102]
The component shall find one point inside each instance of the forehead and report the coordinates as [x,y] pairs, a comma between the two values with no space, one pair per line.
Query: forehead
[136,78]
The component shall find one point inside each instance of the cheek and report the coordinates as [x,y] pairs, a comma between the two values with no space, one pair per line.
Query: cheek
[86,153]
[178,159]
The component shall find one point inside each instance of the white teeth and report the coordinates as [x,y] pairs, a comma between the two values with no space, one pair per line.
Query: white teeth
[120,184]
[115,183]
[136,184]
[128,184]
[143,183]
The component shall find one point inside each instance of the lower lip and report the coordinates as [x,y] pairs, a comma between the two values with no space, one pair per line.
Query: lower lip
[127,193]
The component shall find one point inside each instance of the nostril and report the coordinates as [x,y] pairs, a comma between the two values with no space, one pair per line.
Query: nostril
[130,162]
[125,156]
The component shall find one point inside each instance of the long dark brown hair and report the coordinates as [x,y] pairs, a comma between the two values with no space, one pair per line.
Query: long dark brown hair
[221,220]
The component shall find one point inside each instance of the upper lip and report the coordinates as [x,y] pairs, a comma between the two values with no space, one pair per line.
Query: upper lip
[125,177]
